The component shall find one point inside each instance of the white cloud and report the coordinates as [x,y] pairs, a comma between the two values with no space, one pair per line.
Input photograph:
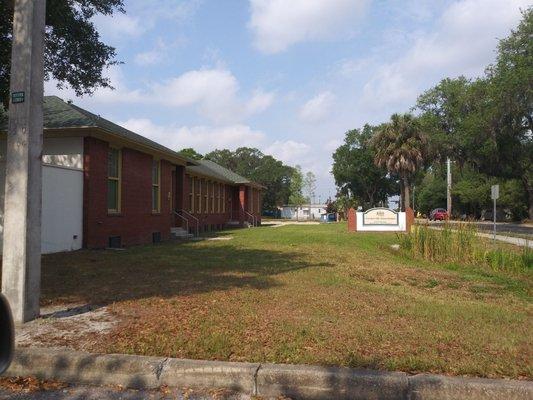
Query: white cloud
[201,138]
[208,138]
[143,16]
[289,151]
[153,56]
[121,93]
[333,144]
[119,25]
[259,101]
[278,24]
[318,108]
[213,93]
[153,10]
[462,43]
[199,86]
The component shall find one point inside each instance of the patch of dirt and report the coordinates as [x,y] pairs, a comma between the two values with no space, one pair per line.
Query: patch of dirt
[29,385]
[280,224]
[66,326]
[222,238]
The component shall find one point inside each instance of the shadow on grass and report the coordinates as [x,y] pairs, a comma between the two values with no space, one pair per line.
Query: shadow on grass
[167,270]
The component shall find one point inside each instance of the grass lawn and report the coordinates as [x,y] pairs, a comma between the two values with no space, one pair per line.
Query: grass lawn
[304,294]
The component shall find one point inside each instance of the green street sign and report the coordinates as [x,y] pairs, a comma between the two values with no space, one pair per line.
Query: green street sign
[17,97]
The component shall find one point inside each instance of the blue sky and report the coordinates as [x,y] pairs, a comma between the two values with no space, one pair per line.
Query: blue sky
[288,77]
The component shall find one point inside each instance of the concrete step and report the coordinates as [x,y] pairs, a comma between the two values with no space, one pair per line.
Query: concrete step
[180,233]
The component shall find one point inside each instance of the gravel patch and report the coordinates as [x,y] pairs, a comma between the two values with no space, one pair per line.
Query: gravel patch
[65,326]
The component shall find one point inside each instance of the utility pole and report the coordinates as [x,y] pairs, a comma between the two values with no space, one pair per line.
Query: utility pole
[414,198]
[21,260]
[449,188]
[494,195]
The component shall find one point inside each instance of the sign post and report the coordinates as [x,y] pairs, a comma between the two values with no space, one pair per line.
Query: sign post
[494,195]
[21,258]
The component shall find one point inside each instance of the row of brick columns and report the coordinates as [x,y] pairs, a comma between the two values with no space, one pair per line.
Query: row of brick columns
[242,204]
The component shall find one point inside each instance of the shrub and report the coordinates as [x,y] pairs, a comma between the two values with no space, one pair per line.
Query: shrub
[461,245]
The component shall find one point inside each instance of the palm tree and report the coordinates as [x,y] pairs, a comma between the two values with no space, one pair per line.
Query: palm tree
[400,146]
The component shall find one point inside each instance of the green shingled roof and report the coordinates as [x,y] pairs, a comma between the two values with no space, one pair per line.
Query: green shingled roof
[59,114]
[213,170]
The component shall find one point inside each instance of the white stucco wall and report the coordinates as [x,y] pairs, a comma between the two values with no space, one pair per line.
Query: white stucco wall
[62,212]
[304,212]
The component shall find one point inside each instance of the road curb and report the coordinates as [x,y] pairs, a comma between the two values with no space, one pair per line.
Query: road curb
[266,380]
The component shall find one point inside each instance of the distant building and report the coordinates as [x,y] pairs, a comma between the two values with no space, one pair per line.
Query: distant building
[304,212]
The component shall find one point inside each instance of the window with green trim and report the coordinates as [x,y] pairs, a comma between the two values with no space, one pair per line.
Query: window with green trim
[156,186]
[114,157]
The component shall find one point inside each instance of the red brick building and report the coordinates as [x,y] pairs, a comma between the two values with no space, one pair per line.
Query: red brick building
[105,186]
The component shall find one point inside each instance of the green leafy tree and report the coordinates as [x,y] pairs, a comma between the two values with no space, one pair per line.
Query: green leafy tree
[331,206]
[74,54]
[296,196]
[471,192]
[343,202]
[441,108]
[514,198]
[486,124]
[431,192]
[191,153]
[401,147]
[511,84]
[309,186]
[355,171]
[261,168]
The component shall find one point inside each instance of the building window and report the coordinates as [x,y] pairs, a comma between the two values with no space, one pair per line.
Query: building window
[206,196]
[198,187]
[170,194]
[156,186]
[212,197]
[191,194]
[218,197]
[114,175]
[223,198]
[252,203]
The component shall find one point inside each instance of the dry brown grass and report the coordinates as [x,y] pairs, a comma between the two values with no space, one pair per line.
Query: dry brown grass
[304,294]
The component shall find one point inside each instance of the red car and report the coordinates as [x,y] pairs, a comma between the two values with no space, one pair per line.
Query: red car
[438,214]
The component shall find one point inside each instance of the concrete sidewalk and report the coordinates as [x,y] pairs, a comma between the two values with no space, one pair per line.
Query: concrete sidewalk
[508,239]
[254,379]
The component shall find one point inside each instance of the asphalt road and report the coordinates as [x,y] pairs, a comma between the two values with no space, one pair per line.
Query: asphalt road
[501,227]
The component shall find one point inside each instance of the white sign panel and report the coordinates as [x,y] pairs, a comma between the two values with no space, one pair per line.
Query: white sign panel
[380,216]
[495,192]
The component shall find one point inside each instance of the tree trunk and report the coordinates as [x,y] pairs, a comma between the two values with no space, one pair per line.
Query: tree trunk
[402,196]
[406,195]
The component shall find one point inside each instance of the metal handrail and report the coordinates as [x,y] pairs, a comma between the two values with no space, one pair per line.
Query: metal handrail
[184,219]
[253,217]
[193,217]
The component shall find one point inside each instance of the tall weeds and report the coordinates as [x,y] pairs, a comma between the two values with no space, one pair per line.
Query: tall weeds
[461,245]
